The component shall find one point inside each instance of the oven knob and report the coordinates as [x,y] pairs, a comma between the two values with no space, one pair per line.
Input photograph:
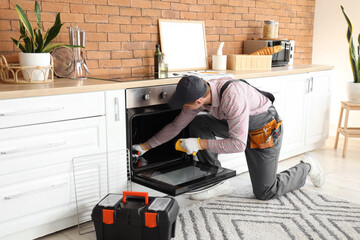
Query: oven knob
[163,95]
[146,96]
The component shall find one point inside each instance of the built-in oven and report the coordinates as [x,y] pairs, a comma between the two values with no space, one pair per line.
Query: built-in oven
[163,168]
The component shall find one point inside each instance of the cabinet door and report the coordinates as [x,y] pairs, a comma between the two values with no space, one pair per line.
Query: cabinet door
[116,139]
[293,112]
[318,107]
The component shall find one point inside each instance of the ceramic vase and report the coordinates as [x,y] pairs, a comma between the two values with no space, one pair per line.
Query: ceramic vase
[353,91]
[40,62]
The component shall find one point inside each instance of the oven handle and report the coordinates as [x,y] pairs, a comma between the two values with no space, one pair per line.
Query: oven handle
[116,109]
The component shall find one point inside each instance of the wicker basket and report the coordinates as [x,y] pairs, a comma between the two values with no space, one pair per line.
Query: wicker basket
[13,73]
[249,62]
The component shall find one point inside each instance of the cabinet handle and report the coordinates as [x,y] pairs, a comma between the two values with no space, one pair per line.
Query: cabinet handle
[33,148]
[18,195]
[31,111]
[116,109]
[312,84]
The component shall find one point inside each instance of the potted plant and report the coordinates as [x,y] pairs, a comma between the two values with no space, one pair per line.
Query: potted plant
[353,86]
[36,48]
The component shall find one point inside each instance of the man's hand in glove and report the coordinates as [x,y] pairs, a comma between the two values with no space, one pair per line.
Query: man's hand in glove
[139,148]
[191,145]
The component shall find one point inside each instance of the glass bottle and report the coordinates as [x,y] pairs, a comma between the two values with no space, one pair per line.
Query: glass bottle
[163,67]
[157,59]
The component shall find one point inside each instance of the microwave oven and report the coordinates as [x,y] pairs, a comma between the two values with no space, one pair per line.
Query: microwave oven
[284,57]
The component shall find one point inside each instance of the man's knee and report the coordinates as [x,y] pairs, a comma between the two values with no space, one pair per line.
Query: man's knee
[264,193]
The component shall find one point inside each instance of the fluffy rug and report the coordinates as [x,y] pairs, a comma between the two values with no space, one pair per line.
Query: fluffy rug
[298,215]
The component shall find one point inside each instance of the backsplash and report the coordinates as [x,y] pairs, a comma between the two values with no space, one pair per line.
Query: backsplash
[121,34]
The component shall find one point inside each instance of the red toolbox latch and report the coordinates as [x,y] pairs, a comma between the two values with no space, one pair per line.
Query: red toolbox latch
[108,216]
[150,219]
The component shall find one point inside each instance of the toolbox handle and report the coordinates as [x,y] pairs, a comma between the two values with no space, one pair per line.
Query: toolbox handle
[138,194]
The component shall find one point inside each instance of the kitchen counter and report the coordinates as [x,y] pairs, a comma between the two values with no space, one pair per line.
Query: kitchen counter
[68,86]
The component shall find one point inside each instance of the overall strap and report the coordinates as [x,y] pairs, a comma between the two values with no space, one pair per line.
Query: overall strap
[266,94]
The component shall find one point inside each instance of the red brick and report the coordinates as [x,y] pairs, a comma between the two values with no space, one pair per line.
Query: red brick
[143,53]
[141,4]
[119,20]
[110,10]
[109,45]
[160,5]
[130,12]
[118,37]
[98,54]
[96,37]
[102,18]
[170,14]
[108,28]
[141,20]
[82,8]
[123,3]
[151,13]
[121,54]
[180,7]
[140,37]
[189,15]
[130,28]
[110,63]
[131,62]
[132,45]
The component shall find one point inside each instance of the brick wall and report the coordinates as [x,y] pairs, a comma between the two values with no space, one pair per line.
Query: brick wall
[121,34]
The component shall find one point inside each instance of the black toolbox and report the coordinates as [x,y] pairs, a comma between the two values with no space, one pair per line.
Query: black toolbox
[135,216]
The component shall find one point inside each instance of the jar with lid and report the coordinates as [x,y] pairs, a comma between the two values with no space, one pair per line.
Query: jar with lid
[269,29]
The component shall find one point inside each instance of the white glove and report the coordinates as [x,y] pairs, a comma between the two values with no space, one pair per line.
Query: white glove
[191,145]
[140,150]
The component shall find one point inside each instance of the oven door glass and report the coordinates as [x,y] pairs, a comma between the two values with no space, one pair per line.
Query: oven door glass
[182,177]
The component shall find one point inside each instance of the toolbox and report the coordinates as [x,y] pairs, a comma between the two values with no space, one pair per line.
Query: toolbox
[135,216]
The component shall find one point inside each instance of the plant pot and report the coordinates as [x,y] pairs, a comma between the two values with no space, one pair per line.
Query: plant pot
[40,63]
[353,92]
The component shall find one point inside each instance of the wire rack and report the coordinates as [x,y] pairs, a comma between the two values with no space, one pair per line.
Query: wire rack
[94,177]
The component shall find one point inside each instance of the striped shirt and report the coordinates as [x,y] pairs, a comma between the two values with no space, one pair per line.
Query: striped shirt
[239,101]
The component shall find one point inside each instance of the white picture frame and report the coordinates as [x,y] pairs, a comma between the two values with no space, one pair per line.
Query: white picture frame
[184,44]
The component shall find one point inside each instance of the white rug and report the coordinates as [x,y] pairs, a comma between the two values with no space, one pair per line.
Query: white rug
[298,215]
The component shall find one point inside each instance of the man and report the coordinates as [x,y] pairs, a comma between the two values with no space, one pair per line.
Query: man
[233,113]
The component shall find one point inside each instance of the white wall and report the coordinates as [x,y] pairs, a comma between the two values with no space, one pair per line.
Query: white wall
[330,46]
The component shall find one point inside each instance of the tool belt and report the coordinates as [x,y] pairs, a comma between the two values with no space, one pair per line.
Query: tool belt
[263,137]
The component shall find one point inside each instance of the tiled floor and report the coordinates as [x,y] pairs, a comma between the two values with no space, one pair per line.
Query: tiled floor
[342,180]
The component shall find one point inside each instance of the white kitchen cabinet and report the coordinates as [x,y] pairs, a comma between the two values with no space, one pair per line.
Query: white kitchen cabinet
[303,102]
[42,140]
[116,139]
[318,107]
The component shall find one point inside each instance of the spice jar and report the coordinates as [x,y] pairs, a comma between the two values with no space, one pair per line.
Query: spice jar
[269,29]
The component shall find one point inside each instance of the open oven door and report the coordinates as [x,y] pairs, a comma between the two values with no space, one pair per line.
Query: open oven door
[181,176]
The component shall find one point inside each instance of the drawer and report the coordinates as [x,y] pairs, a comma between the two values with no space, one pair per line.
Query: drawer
[35,191]
[27,111]
[36,146]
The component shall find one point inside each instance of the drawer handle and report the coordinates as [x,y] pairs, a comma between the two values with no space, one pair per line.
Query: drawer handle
[56,144]
[31,111]
[116,109]
[18,195]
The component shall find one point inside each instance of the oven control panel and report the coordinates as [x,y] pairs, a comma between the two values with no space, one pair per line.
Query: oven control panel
[149,96]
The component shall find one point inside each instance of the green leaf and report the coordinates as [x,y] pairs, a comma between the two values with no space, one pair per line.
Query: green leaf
[23,18]
[18,45]
[22,28]
[352,51]
[52,33]
[57,20]
[38,15]
[39,41]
